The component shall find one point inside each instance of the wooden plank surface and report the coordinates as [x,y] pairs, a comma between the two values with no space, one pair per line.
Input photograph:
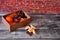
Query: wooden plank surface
[46,31]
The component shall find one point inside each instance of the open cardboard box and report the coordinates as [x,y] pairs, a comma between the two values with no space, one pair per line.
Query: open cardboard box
[17,25]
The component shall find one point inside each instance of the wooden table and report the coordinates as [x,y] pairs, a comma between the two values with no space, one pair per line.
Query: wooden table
[48,27]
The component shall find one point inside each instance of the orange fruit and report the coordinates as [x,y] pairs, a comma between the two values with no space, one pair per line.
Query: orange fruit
[13,23]
[11,15]
[9,19]
[22,19]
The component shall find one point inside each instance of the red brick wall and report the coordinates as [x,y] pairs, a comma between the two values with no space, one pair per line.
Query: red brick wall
[38,6]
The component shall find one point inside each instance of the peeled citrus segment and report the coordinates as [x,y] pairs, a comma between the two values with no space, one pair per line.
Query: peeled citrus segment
[9,19]
[22,19]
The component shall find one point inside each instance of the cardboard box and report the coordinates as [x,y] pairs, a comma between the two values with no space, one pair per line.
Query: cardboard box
[17,25]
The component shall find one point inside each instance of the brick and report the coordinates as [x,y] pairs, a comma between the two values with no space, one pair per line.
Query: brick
[42,5]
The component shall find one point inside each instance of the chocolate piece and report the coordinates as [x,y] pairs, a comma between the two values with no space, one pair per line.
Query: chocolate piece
[29,33]
[29,25]
[31,29]
[16,19]
[21,13]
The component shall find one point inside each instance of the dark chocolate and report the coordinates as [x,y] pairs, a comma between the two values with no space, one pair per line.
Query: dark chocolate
[16,19]
[21,13]
[29,33]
